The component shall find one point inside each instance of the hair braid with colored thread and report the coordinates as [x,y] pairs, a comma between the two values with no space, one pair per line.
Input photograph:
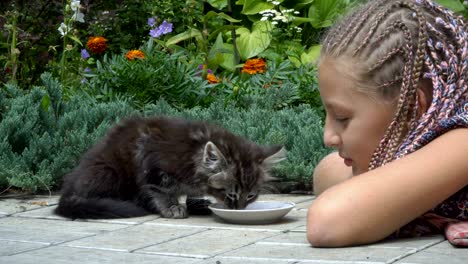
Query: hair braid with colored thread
[423,39]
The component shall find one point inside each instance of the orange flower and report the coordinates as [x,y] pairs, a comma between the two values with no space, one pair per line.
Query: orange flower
[212,78]
[97,44]
[253,66]
[135,54]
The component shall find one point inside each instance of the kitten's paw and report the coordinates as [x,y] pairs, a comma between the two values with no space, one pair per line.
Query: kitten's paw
[175,211]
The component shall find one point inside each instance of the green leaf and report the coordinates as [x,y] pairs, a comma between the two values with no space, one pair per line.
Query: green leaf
[295,61]
[219,4]
[454,5]
[190,33]
[75,39]
[228,57]
[301,20]
[302,4]
[228,18]
[324,12]
[45,102]
[252,7]
[251,43]
[311,56]
[212,14]
[215,56]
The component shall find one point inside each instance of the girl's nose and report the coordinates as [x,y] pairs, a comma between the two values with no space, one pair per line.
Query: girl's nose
[330,137]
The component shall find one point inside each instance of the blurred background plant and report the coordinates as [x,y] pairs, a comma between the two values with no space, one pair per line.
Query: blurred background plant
[71,68]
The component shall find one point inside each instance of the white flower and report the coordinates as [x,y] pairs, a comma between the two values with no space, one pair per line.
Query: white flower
[268,11]
[275,2]
[274,23]
[78,16]
[75,5]
[297,12]
[265,18]
[63,29]
[282,18]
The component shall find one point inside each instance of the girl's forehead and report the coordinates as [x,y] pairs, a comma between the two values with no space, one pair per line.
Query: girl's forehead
[330,76]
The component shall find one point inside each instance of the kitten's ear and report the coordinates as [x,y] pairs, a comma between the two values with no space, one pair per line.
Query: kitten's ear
[217,181]
[212,156]
[274,155]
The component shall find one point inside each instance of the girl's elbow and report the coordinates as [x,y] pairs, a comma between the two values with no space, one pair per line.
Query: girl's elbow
[320,233]
[324,231]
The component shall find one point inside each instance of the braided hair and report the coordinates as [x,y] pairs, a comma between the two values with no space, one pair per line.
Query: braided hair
[394,46]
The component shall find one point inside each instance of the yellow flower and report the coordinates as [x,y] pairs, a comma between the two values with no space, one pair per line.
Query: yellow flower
[97,44]
[135,54]
[212,78]
[253,66]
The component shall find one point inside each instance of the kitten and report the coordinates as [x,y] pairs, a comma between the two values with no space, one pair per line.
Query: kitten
[143,165]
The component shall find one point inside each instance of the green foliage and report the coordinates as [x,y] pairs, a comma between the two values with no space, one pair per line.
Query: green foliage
[28,36]
[159,75]
[43,135]
[282,85]
[41,139]
[458,6]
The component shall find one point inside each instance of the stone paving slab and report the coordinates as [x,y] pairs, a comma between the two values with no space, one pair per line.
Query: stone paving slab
[224,260]
[441,253]
[14,247]
[31,233]
[134,237]
[49,231]
[303,252]
[16,205]
[207,244]
[70,255]
[48,213]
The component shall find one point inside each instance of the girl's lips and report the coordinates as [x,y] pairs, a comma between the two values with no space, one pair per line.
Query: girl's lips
[348,162]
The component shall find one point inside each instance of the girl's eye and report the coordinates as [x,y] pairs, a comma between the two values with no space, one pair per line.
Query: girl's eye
[342,119]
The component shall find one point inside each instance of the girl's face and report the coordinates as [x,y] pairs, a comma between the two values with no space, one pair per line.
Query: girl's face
[355,122]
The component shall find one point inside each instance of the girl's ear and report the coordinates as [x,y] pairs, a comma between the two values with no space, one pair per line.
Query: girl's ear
[423,101]
[424,92]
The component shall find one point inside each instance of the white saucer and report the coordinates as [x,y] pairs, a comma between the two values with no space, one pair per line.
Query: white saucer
[261,212]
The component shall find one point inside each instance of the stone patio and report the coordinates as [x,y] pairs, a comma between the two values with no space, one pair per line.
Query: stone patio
[31,233]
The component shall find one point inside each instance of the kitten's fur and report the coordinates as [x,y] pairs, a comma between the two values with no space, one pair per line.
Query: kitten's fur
[143,165]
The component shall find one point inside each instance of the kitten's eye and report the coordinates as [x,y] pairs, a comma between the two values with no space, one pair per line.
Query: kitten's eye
[251,196]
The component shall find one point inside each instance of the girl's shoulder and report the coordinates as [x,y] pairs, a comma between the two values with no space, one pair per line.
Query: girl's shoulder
[457,119]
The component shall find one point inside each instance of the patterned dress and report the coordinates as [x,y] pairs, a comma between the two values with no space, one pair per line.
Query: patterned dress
[454,208]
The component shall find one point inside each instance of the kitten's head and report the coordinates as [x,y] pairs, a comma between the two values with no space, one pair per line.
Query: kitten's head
[236,177]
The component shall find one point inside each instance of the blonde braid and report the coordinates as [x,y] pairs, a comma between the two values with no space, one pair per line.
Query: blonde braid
[395,42]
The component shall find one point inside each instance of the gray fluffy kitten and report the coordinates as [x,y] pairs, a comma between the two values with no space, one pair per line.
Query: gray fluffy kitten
[143,165]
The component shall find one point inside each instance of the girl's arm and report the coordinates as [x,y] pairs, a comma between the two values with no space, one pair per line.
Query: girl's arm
[371,206]
[330,171]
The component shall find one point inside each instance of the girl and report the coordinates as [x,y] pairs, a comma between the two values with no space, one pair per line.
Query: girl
[393,79]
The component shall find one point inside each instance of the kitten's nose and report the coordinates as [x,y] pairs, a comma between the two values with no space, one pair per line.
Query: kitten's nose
[232,204]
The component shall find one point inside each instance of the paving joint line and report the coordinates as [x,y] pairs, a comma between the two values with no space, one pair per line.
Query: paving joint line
[246,245]
[414,251]
[168,240]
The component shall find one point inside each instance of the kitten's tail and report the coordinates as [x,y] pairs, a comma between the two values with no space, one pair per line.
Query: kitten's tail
[78,207]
